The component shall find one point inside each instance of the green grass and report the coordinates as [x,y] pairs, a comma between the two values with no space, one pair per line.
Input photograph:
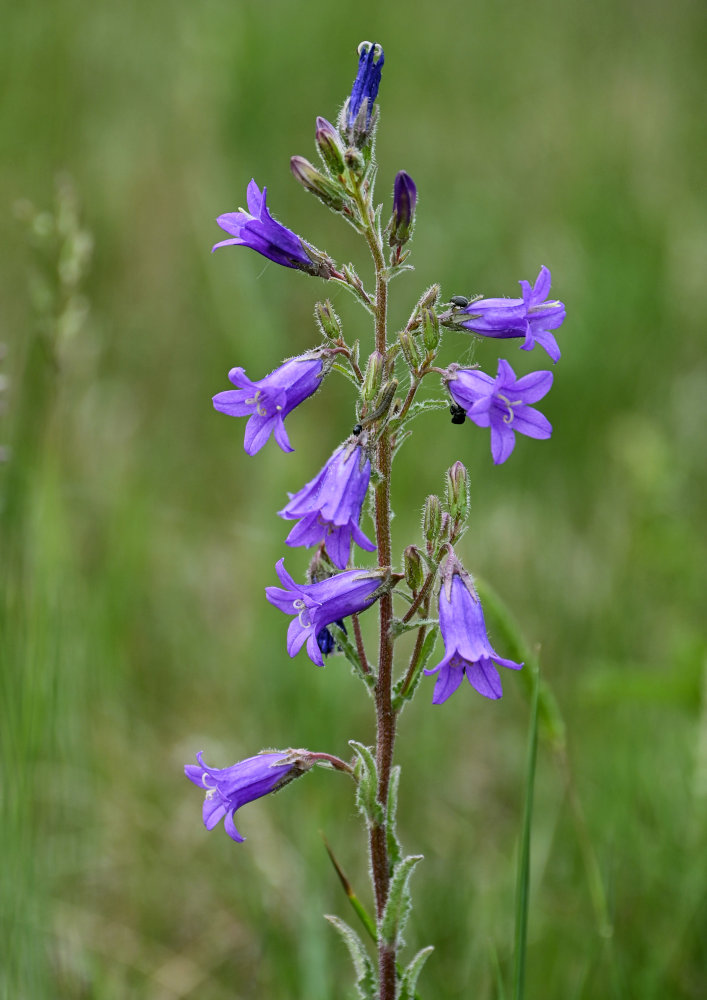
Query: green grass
[138,536]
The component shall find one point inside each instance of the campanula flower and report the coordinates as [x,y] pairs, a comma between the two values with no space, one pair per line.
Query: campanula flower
[268,401]
[316,605]
[404,202]
[501,404]
[329,507]
[466,645]
[257,229]
[355,119]
[229,788]
[532,316]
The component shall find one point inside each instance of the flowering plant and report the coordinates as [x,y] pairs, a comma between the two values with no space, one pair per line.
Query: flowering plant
[325,609]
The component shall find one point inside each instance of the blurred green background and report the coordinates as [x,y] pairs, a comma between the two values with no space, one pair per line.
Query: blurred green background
[137,536]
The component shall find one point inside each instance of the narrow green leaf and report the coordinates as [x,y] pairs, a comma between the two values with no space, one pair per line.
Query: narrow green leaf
[412,974]
[367,787]
[365,976]
[391,831]
[397,909]
[428,646]
[523,878]
[398,627]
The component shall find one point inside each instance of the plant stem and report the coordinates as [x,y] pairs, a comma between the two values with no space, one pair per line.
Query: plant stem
[385,715]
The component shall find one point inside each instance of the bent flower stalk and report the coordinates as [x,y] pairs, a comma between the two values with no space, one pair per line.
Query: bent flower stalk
[355,481]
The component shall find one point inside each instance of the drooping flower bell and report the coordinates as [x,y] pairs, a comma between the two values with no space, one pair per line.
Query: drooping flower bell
[316,605]
[501,404]
[404,202]
[466,645]
[329,506]
[268,401]
[229,788]
[257,229]
[357,121]
[531,317]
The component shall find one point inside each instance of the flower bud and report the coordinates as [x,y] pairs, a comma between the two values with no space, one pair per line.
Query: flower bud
[373,377]
[404,201]
[410,350]
[312,180]
[330,147]
[430,329]
[414,569]
[457,492]
[432,518]
[327,320]
[354,161]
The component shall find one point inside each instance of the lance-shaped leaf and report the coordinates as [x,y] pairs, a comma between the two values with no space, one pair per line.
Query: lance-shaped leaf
[408,982]
[400,697]
[365,976]
[367,785]
[397,908]
[395,851]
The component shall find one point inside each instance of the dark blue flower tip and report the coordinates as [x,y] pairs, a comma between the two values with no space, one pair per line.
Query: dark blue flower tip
[404,202]
[327,642]
[365,87]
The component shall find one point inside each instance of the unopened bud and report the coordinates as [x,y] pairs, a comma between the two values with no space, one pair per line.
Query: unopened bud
[458,492]
[429,299]
[385,399]
[414,569]
[327,320]
[373,377]
[445,528]
[410,351]
[432,518]
[430,329]
[354,161]
[314,181]
[404,201]
[330,146]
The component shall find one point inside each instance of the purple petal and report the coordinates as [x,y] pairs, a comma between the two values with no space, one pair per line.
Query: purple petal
[284,577]
[541,289]
[230,828]
[194,772]
[313,650]
[531,422]
[530,388]
[213,811]
[502,441]
[484,677]
[232,402]
[281,435]
[546,341]
[296,635]
[238,377]
[447,683]
[255,199]
[257,431]
[361,540]
[338,545]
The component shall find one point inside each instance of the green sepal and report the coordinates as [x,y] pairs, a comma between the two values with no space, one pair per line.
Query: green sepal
[399,903]
[365,976]
[408,982]
[346,372]
[349,650]
[395,851]
[366,774]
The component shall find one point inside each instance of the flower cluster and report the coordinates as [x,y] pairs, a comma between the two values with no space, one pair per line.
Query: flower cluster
[328,508]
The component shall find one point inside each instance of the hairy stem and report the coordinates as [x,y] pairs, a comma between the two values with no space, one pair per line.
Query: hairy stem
[385,715]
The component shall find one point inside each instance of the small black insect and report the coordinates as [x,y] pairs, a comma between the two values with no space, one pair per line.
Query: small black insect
[458,413]
[357,430]
[459,300]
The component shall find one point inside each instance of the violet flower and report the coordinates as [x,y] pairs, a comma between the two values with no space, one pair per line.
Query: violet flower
[356,115]
[268,401]
[316,605]
[404,202]
[329,506]
[466,644]
[531,316]
[257,229]
[501,404]
[229,788]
